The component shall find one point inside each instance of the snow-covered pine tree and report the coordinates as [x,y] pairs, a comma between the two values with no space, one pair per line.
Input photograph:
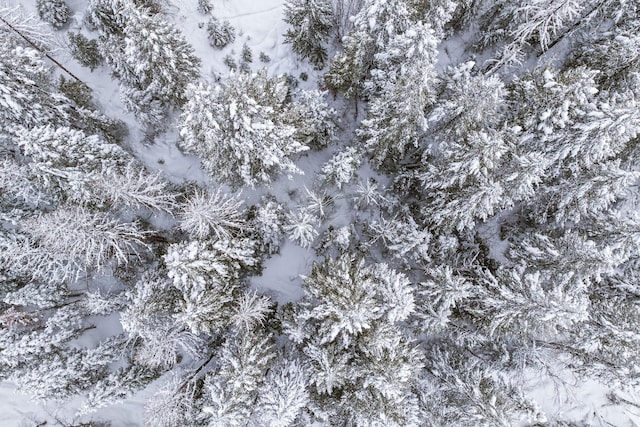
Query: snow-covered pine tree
[32,99]
[575,279]
[64,148]
[403,78]
[243,363]
[70,166]
[439,14]
[175,403]
[375,25]
[148,321]
[543,20]
[343,11]
[341,167]
[130,188]
[220,33]
[404,238]
[301,226]
[310,22]
[246,55]
[406,53]
[463,168]
[64,373]
[509,303]
[314,120]
[614,53]
[149,56]
[519,25]
[283,395]
[23,77]
[55,12]
[465,184]
[209,213]
[367,195]
[85,51]
[606,346]
[241,130]
[207,275]
[34,351]
[117,386]
[583,136]
[20,189]
[442,291]
[468,101]
[460,391]
[361,363]
[267,224]
[72,240]
[251,311]
[205,7]
[152,6]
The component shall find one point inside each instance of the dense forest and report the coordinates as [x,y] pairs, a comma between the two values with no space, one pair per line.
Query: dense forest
[390,213]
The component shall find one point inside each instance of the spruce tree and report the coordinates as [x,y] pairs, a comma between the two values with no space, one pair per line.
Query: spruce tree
[23,77]
[150,58]
[375,25]
[404,78]
[220,33]
[242,130]
[243,364]
[311,22]
[85,51]
[207,274]
[361,363]
[55,12]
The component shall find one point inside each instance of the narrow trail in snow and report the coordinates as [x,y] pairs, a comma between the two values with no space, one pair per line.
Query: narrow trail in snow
[252,13]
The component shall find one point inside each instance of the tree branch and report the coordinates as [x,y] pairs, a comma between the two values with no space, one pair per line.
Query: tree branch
[39,49]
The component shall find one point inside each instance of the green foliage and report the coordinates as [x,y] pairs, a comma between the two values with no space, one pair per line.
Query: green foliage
[207,273]
[244,360]
[314,120]
[403,82]
[149,56]
[27,85]
[85,51]
[220,34]
[118,386]
[230,62]
[374,26]
[243,131]
[247,54]
[341,168]
[467,392]
[266,221]
[55,12]
[361,364]
[77,91]
[310,21]
[264,58]
[205,7]
[153,6]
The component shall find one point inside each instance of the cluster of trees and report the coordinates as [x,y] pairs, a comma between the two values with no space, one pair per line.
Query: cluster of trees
[513,192]
[496,234]
[150,57]
[247,130]
[66,185]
